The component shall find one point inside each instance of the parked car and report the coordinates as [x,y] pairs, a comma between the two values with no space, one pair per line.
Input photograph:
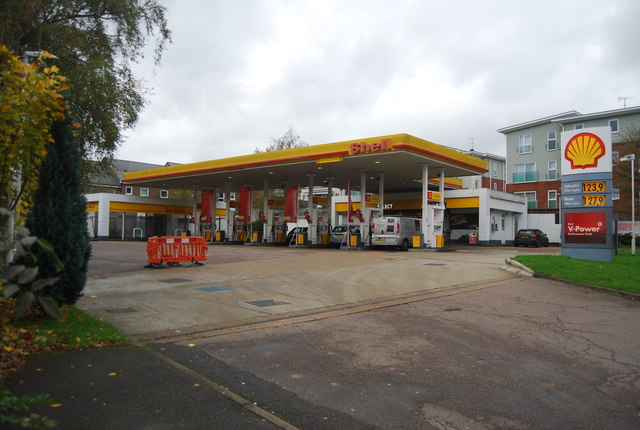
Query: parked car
[531,236]
[339,232]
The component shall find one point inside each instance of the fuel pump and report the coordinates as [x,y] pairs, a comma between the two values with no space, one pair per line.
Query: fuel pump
[275,226]
[434,237]
[322,221]
[241,230]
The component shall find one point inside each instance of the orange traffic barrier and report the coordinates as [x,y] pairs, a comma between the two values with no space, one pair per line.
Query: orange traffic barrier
[176,249]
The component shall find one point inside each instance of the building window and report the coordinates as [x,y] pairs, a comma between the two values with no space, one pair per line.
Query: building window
[552,171]
[164,194]
[128,191]
[525,144]
[613,123]
[578,127]
[144,192]
[532,203]
[495,173]
[552,142]
[525,173]
[552,199]
[232,196]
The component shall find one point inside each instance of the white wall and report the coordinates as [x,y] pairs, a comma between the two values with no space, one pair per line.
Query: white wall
[546,223]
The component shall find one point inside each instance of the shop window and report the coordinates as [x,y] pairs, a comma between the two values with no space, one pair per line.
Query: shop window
[164,194]
[128,190]
[144,192]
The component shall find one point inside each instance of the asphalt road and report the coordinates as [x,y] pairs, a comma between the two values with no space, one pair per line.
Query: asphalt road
[521,353]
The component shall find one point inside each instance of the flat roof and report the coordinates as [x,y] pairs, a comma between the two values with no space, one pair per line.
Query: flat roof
[399,157]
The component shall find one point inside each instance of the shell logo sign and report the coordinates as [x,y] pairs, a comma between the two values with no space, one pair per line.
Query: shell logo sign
[584,150]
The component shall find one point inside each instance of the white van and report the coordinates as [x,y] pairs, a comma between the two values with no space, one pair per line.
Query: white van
[395,231]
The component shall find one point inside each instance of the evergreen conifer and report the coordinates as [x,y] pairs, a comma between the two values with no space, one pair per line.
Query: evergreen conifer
[59,216]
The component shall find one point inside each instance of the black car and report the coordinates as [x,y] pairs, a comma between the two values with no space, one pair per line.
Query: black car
[531,236]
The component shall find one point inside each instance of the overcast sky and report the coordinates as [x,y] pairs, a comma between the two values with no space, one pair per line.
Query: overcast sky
[241,72]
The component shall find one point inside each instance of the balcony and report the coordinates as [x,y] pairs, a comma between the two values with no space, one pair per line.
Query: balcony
[521,177]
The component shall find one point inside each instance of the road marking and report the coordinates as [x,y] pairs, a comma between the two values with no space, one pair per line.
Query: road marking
[307,315]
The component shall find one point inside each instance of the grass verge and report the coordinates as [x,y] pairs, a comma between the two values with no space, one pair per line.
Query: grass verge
[74,330]
[33,334]
[623,273]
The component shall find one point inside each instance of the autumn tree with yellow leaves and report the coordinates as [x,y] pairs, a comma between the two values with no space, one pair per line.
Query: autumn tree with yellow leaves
[31,100]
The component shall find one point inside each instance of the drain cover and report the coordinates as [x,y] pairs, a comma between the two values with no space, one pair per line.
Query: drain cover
[435,264]
[453,309]
[121,310]
[212,289]
[175,280]
[266,303]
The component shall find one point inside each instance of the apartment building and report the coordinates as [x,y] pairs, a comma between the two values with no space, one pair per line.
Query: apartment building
[533,154]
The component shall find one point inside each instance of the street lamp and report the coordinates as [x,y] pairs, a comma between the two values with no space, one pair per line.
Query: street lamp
[632,158]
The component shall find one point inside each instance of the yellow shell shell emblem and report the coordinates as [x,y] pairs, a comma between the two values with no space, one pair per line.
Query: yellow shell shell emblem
[584,150]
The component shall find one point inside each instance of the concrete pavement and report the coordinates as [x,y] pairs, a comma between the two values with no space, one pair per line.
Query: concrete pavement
[242,282]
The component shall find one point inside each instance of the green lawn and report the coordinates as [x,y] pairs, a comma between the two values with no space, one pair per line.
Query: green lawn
[74,330]
[623,273]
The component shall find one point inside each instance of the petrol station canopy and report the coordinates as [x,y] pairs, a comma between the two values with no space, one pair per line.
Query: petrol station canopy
[399,157]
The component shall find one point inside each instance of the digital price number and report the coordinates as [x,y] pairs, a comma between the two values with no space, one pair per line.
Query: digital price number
[594,200]
[594,187]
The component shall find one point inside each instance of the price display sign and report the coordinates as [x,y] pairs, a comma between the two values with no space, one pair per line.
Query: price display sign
[594,187]
[594,200]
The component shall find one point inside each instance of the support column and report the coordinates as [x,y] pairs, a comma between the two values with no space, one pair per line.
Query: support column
[381,190]
[227,202]
[196,218]
[265,209]
[364,226]
[426,225]
[311,231]
[441,187]
[104,209]
[214,212]
[330,203]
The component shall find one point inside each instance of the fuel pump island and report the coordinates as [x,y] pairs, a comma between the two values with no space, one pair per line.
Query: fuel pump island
[315,188]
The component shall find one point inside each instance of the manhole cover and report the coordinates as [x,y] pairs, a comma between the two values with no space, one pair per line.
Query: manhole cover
[175,280]
[266,303]
[121,310]
[435,264]
[212,289]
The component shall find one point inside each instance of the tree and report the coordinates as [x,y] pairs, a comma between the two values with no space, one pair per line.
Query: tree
[288,140]
[30,101]
[95,42]
[59,216]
